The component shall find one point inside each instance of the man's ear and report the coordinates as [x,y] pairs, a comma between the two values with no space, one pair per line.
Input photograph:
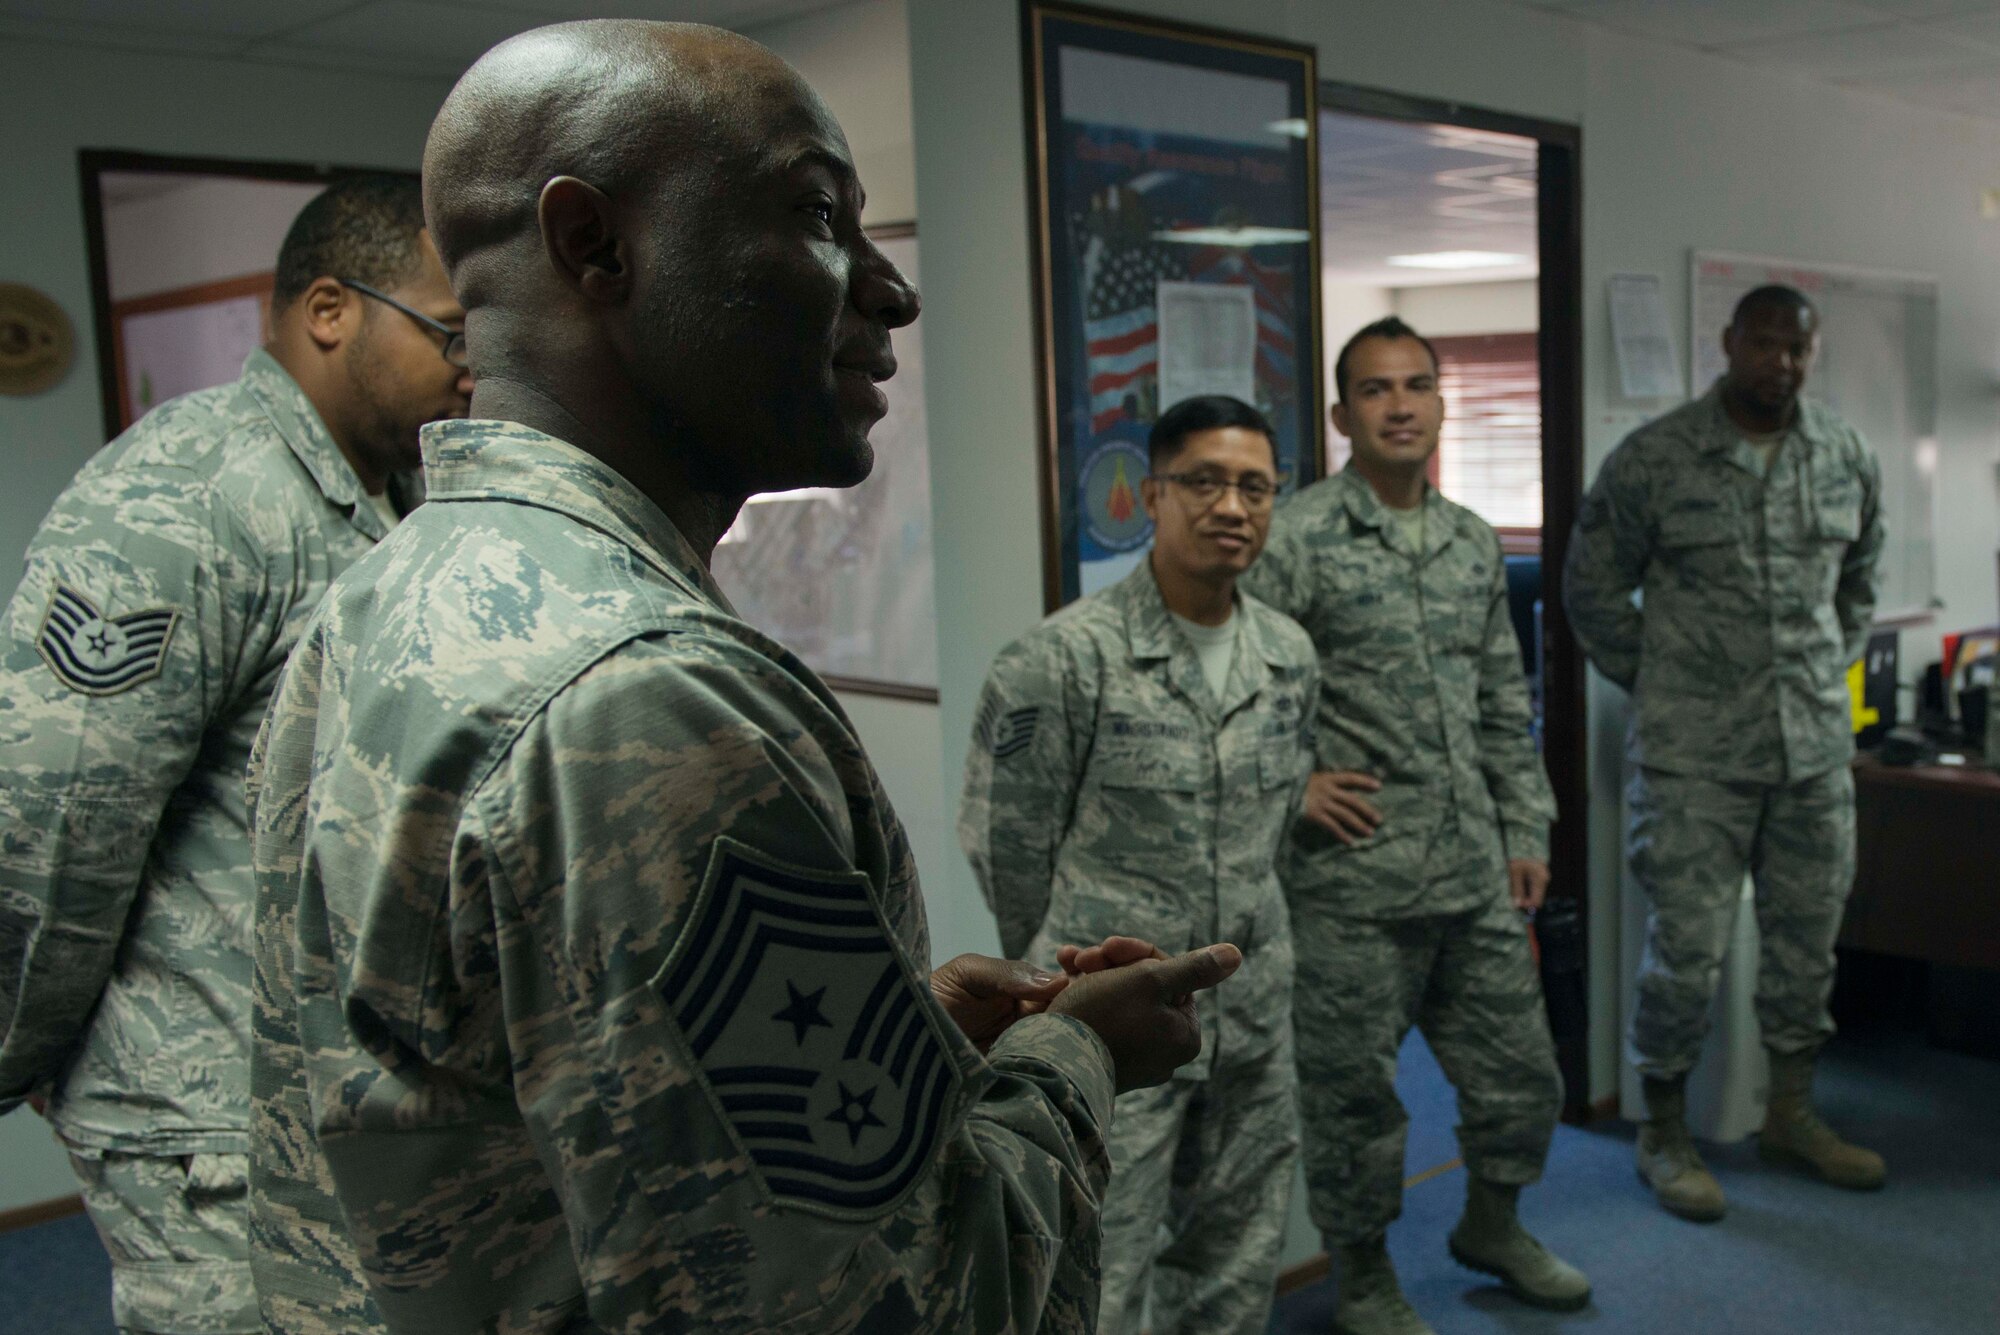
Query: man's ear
[1149,497]
[329,312]
[582,240]
[1339,415]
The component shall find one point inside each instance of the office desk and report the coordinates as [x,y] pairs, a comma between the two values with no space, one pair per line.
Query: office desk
[1927,885]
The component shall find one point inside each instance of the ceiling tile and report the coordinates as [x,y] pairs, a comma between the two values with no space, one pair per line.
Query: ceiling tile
[1712,23]
[1925,9]
[421,31]
[1974,89]
[220,18]
[1982,28]
[722,13]
[117,36]
[1864,54]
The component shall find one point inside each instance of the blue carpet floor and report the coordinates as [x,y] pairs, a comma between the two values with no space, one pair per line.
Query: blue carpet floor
[1919,1257]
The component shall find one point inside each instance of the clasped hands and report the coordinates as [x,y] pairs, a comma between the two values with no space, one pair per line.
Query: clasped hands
[1133,995]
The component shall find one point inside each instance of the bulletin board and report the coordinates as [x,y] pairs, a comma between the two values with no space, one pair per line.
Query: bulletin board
[1176,214]
[844,577]
[1877,368]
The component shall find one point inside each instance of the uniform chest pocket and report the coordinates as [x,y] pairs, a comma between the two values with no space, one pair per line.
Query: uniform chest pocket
[1161,764]
[1697,528]
[1281,761]
[1837,515]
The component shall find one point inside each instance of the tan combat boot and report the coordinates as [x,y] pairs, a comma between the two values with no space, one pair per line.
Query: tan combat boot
[1371,1302]
[1794,1134]
[1490,1239]
[1667,1159]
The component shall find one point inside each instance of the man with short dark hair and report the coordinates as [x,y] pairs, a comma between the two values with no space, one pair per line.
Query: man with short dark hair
[1749,523]
[161,597]
[593,986]
[1138,760]
[1425,840]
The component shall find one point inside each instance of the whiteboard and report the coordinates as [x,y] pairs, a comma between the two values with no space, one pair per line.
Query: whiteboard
[1877,368]
[844,578]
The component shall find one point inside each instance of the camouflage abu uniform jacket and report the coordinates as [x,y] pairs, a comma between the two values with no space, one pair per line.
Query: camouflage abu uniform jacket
[592,978]
[1108,792]
[161,596]
[1420,686]
[1758,592]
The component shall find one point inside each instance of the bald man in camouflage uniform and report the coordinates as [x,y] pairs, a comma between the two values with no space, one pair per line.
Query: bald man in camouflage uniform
[1750,522]
[593,986]
[1427,834]
[160,599]
[1125,777]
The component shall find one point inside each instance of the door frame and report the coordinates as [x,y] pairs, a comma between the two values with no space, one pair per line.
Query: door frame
[1559,287]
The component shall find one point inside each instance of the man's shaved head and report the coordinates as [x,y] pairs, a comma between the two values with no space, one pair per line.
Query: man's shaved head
[655,229]
[613,102]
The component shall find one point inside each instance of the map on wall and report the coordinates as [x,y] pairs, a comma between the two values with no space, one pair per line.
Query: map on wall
[844,578]
[1877,368]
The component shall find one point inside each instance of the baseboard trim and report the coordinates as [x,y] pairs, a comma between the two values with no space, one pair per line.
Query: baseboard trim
[27,1216]
[1307,1272]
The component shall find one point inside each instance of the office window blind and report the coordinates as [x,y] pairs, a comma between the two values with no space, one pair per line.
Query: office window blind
[1490,455]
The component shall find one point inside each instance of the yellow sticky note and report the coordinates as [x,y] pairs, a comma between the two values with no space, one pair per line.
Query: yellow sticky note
[1857,676]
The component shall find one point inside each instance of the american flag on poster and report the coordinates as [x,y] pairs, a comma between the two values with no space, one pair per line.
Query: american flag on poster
[1121,318]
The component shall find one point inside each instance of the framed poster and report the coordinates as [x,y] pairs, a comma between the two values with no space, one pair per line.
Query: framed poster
[1175,196]
[844,577]
[167,344]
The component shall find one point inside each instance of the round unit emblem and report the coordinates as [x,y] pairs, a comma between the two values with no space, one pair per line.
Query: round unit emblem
[36,342]
[1112,511]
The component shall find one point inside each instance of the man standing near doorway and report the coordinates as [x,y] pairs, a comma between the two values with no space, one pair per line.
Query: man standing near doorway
[161,598]
[1425,840]
[1137,763]
[1748,523]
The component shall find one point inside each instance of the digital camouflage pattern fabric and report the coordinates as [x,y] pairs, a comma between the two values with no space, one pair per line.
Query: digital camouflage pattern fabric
[1693,840]
[591,978]
[1467,980]
[160,598]
[1758,591]
[1108,791]
[173,1226]
[1420,686]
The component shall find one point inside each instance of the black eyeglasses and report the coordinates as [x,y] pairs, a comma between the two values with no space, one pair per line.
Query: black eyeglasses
[1258,493]
[454,339]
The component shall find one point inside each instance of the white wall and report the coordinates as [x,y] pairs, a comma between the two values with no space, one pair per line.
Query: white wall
[66,98]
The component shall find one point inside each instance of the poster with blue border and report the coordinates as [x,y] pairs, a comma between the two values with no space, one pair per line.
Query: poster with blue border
[1168,156]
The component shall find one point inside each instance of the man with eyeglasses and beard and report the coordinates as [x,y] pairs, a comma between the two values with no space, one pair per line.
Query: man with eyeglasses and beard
[1425,840]
[1137,761]
[162,596]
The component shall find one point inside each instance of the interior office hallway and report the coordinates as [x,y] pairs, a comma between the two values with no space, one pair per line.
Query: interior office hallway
[1922,1257]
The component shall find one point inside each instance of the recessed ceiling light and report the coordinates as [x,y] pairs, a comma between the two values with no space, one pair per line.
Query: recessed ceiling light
[1295,127]
[1235,236]
[1457,259]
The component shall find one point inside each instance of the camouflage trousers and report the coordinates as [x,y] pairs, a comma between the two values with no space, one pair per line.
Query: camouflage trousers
[1209,1162]
[1468,982]
[1691,841]
[177,1230]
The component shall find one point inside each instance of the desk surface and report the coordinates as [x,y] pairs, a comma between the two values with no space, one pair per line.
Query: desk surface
[1971,779]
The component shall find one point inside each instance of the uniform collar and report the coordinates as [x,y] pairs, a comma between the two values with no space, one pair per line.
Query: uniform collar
[1150,630]
[299,423]
[1366,507]
[478,460]
[1721,436]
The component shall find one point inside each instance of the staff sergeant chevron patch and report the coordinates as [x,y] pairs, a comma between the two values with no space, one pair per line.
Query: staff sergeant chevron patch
[813,1034]
[100,655]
